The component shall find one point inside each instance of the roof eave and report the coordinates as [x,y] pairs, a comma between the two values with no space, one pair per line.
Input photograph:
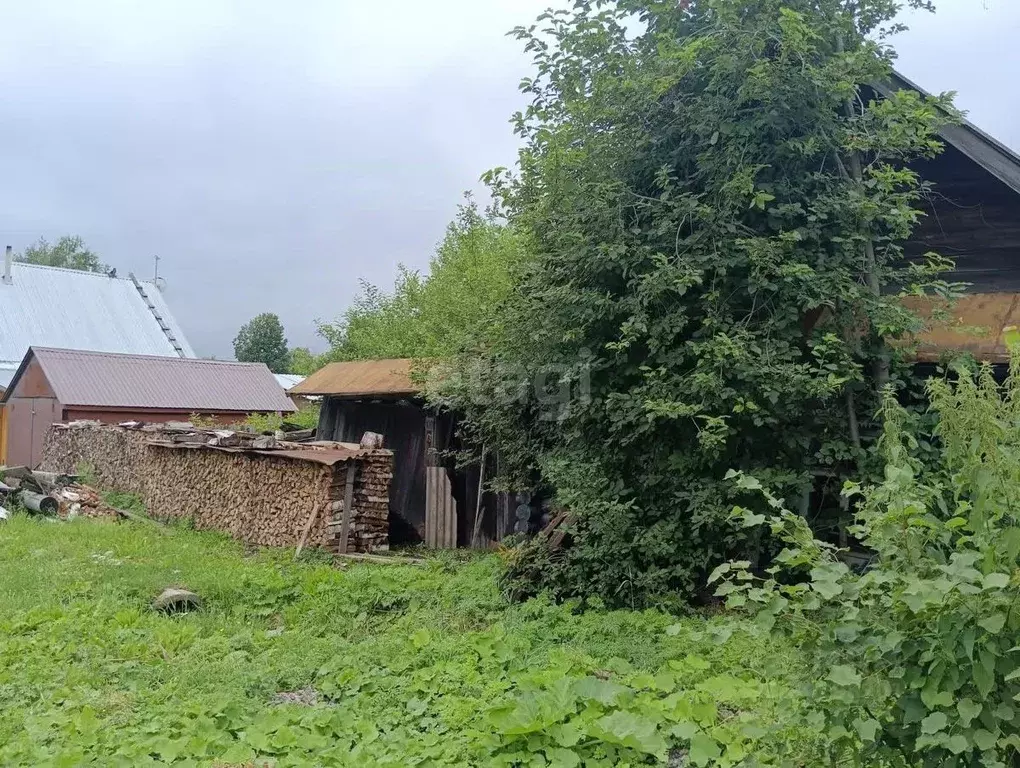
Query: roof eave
[5,395]
[985,150]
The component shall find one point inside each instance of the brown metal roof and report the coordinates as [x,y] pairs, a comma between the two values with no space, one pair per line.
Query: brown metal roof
[101,379]
[976,326]
[360,378]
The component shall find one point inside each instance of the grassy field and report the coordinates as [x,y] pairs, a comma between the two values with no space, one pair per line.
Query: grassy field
[310,664]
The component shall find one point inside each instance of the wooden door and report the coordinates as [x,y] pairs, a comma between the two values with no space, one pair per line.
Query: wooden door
[28,420]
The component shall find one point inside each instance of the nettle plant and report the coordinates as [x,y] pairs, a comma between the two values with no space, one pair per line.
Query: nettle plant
[917,657]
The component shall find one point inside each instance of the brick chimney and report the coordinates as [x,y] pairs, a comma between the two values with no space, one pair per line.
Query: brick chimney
[8,261]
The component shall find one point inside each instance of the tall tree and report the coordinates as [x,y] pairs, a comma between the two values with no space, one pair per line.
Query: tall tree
[261,340]
[69,252]
[304,363]
[437,314]
[716,201]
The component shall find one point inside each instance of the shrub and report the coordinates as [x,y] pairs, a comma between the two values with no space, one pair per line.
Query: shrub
[916,658]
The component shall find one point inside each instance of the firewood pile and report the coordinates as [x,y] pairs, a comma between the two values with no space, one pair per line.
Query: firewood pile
[369,527]
[257,488]
[111,456]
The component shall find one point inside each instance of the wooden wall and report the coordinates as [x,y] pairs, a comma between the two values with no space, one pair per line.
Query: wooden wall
[972,218]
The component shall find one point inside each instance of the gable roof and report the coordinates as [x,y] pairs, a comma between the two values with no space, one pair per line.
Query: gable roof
[68,308]
[106,380]
[360,378]
[988,152]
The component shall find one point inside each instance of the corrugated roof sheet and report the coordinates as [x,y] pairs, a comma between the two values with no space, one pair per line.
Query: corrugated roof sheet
[975,325]
[288,380]
[329,456]
[101,379]
[71,309]
[360,378]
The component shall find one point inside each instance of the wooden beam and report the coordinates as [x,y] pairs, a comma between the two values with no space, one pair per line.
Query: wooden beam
[384,559]
[307,529]
[345,526]
[478,500]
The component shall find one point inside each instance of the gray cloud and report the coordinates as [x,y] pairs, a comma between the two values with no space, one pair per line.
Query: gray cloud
[272,154]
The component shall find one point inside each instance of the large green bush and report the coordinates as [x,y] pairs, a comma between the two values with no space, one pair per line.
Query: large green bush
[917,658]
[714,203]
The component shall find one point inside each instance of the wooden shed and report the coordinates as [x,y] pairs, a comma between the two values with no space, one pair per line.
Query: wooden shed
[431,499]
[54,385]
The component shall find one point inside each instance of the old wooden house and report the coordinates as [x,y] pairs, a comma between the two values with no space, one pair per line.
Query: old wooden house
[973,217]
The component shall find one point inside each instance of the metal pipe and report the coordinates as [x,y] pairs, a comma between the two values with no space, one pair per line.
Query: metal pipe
[47,505]
[8,263]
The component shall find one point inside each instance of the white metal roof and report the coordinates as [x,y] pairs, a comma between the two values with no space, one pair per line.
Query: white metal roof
[71,309]
[288,380]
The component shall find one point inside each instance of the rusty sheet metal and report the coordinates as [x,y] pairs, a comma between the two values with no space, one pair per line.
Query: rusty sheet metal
[360,378]
[975,326]
[325,456]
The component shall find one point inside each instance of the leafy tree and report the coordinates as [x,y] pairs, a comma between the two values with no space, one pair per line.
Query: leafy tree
[433,316]
[715,202]
[261,340]
[304,363]
[69,252]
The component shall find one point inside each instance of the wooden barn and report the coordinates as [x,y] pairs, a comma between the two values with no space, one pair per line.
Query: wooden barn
[54,385]
[431,500]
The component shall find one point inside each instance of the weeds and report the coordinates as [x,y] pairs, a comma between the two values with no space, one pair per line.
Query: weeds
[396,665]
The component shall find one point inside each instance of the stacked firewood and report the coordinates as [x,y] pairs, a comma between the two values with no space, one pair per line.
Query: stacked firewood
[253,487]
[257,499]
[112,457]
[369,523]
[115,454]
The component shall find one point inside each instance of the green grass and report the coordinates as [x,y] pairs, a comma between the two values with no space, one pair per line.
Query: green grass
[412,665]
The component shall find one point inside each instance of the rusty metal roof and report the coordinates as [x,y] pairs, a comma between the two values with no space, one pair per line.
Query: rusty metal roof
[102,379]
[325,456]
[360,378]
[975,325]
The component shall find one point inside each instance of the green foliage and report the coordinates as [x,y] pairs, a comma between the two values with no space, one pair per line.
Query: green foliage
[916,658]
[396,665]
[261,340]
[435,315]
[307,417]
[69,252]
[199,421]
[714,205]
[304,363]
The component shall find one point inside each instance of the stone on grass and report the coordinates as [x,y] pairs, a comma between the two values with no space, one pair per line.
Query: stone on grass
[173,600]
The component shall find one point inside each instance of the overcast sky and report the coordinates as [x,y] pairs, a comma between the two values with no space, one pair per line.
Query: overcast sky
[273,153]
